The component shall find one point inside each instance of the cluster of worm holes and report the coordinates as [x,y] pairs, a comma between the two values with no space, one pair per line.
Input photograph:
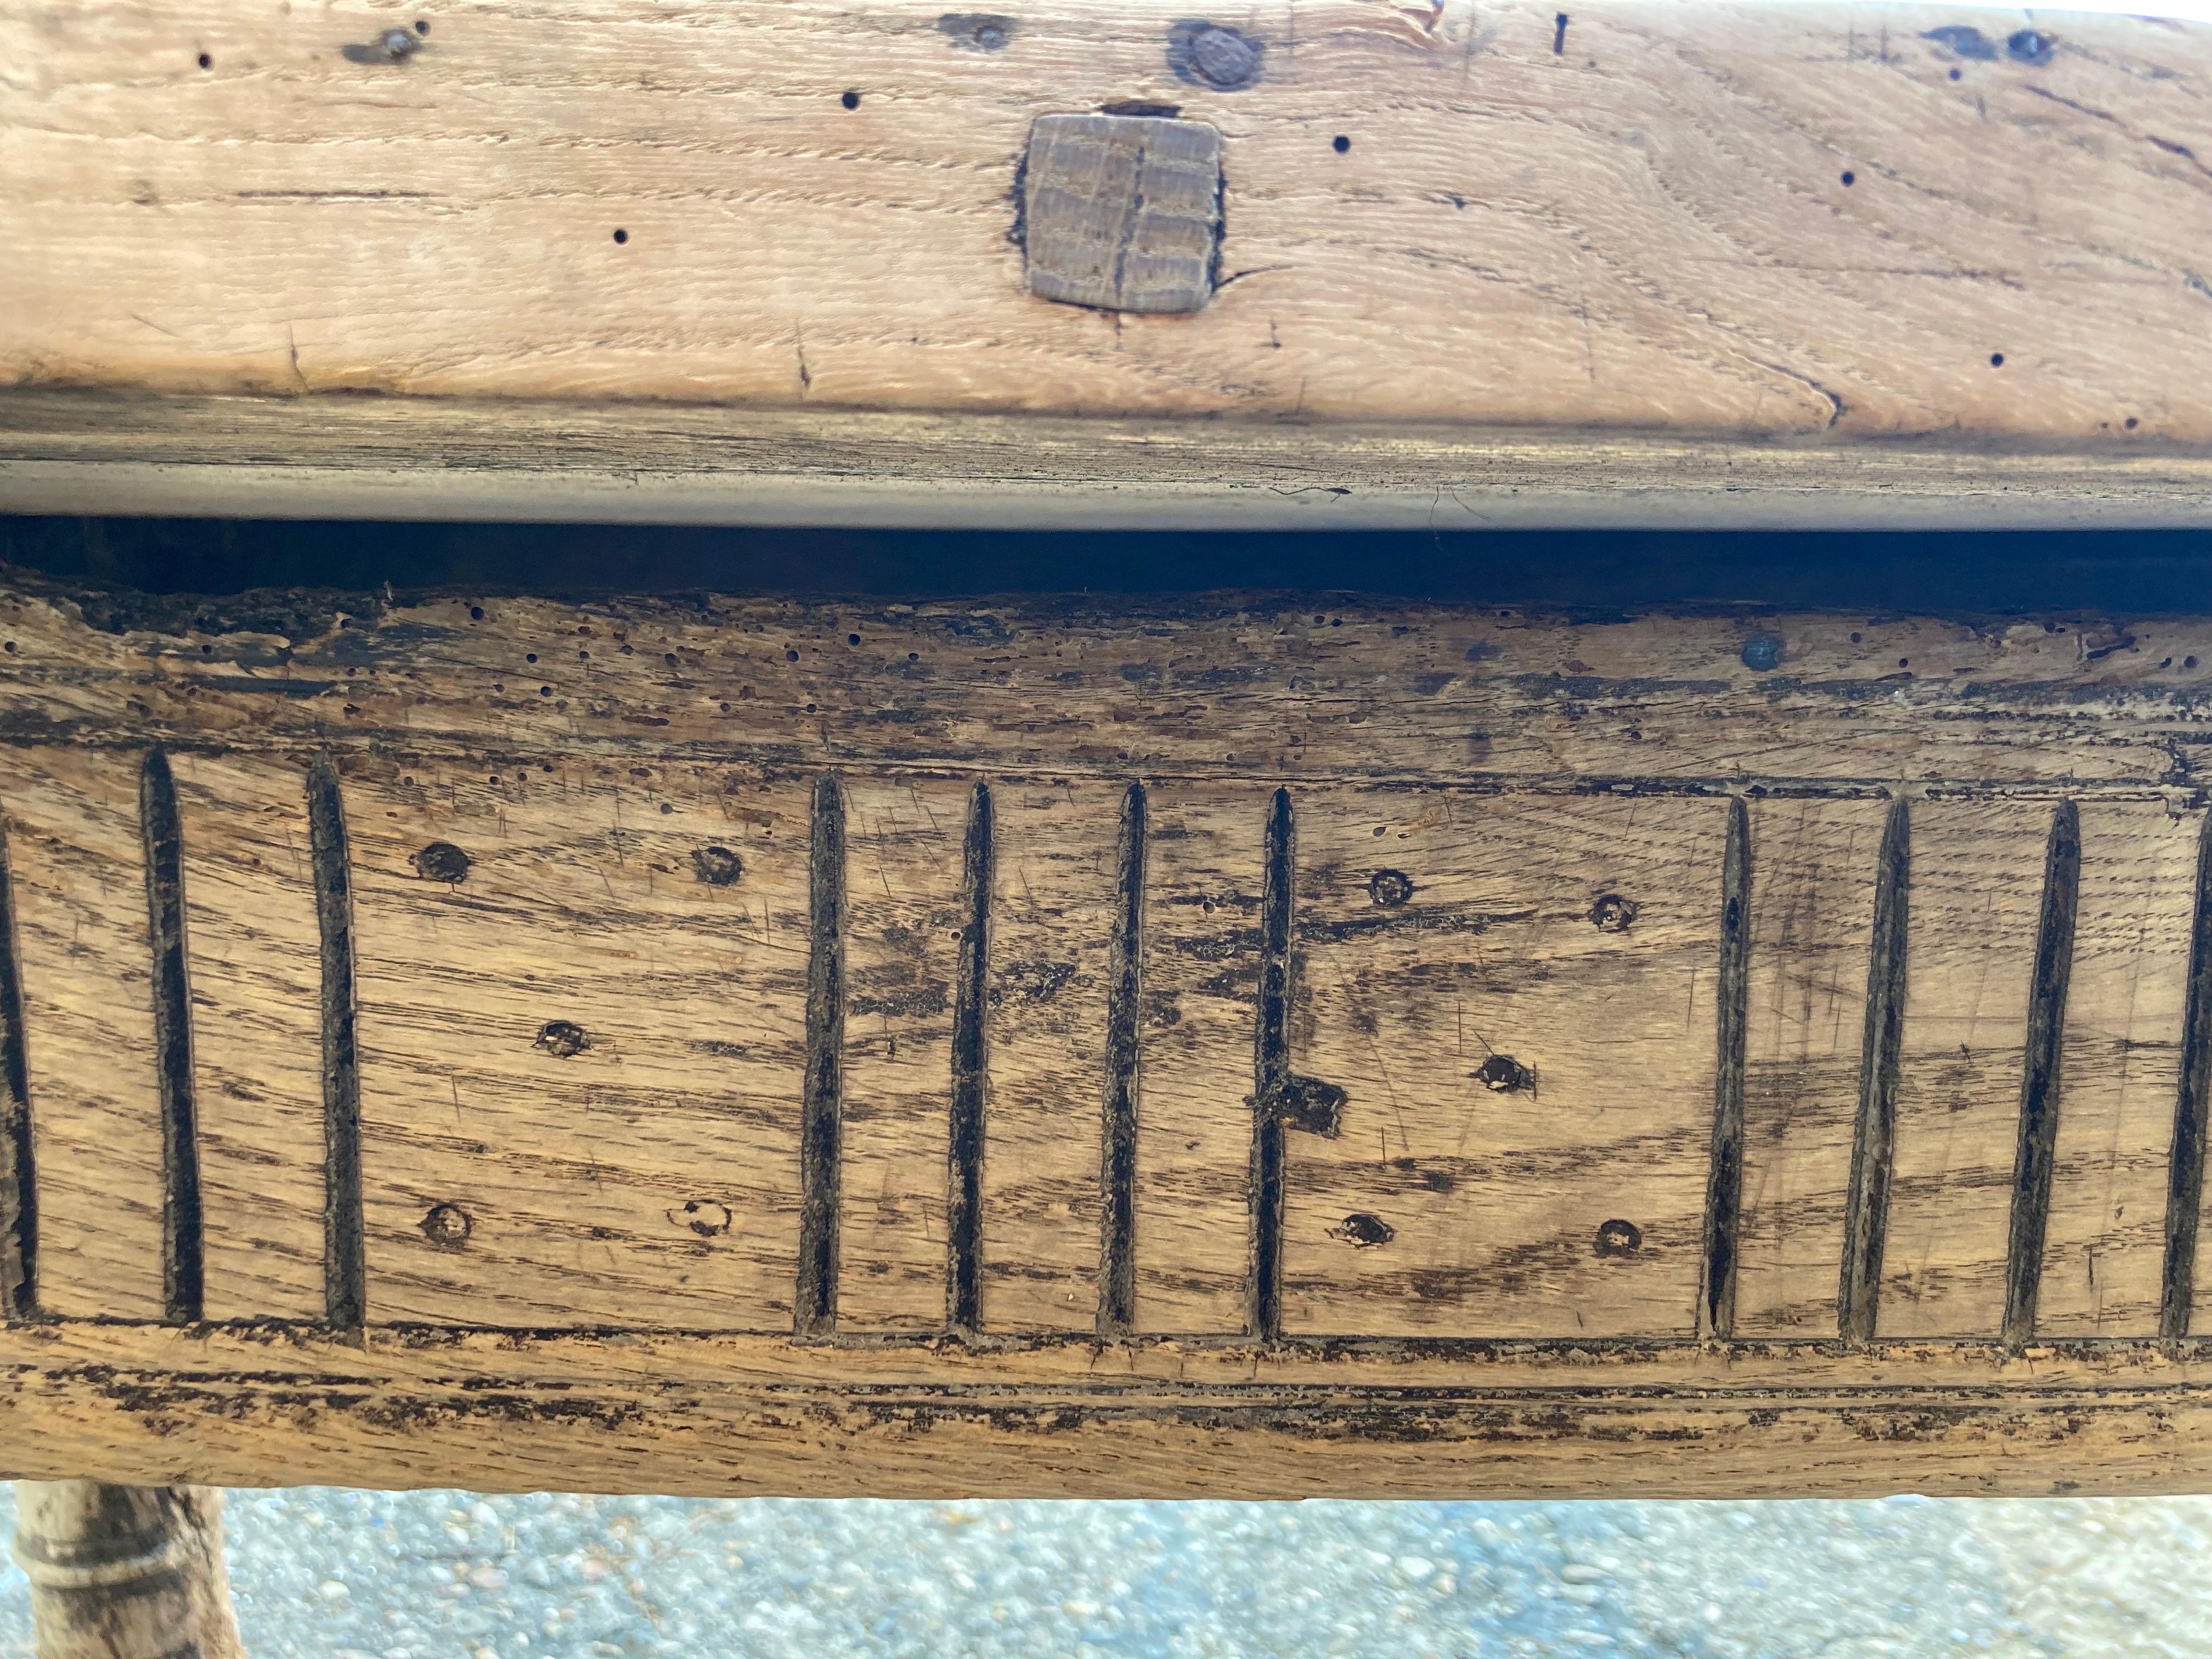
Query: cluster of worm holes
[447,1226]
[1389,888]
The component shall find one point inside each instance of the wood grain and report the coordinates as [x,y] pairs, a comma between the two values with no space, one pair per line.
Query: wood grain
[902,955]
[1201,976]
[1051,934]
[256,1029]
[1434,901]
[79,874]
[1812,924]
[577,1057]
[1489,1123]
[570,461]
[1718,217]
[1976,883]
[2120,1070]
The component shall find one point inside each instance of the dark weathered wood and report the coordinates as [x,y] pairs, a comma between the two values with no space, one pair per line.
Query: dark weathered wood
[2040,1081]
[345,1267]
[1866,1222]
[1122,212]
[125,1572]
[1249,1046]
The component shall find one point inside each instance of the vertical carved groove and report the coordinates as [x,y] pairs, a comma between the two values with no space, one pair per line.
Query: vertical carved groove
[822,1109]
[1724,1182]
[963,1195]
[2040,1083]
[181,1249]
[1866,1211]
[1117,1152]
[19,1187]
[1272,1070]
[1117,1163]
[2184,1171]
[345,1264]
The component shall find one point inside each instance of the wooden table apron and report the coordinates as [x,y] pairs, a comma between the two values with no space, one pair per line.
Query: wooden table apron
[1260,1047]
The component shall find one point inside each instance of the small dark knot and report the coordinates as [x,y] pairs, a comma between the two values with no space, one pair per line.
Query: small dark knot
[703,1217]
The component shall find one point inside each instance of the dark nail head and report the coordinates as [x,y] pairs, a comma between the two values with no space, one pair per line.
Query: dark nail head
[563,1039]
[1364,1232]
[1613,914]
[1208,55]
[718,866]
[1502,1074]
[441,861]
[1390,888]
[1223,56]
[1762,653]
[1618,1238]
[447,1226]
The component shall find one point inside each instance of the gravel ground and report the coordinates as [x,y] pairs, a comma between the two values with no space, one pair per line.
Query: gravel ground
[324,1573]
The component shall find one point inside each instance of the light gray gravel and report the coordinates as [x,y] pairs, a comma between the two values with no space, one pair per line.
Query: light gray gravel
[324,1573]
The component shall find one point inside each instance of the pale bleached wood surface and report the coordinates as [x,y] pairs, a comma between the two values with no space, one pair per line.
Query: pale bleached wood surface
[1433,211]
[1823,264]
[1485,855]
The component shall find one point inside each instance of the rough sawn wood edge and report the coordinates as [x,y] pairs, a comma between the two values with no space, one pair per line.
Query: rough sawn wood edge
[540,461]
[704,1415]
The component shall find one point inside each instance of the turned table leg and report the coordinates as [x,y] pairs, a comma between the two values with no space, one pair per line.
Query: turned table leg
[125,1572]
